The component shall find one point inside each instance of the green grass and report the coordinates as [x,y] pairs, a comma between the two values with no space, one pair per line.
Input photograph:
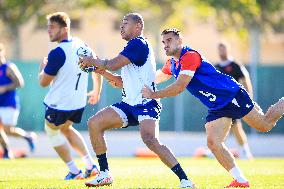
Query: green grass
[141,173]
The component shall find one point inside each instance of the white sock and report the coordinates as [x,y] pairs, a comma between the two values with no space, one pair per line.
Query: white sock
[247,150]
[88,160]
[72,167]
[238,175]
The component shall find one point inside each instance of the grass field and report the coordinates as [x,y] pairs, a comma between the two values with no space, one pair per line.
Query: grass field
[141,173]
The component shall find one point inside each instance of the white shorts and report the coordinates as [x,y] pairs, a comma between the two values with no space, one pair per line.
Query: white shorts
[9,116]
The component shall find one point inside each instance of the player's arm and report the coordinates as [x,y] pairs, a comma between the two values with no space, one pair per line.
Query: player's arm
[164,74]
[94,94]
[245,81]
[189,63]
[17,79]
[135,52]
[44,79]
[50,66]
[172,90]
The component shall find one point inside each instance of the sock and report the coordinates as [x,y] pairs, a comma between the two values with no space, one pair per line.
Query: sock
[88,160]
[102,159]
[238,175]
[179,172]
[247,150]
[72,167]
[5,150]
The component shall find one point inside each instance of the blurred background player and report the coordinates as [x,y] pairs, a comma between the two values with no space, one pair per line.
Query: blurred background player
[10,80]
[225,99]
[138,68]
[67,96]
[228,66]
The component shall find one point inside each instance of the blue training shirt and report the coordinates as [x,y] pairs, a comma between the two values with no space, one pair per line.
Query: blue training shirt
[214,89]
[9,98]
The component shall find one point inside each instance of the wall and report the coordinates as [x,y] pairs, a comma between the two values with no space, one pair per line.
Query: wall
[270,89]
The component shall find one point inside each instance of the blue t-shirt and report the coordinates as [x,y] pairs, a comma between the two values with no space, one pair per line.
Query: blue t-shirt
[136,51]
[9,98]
[214,89]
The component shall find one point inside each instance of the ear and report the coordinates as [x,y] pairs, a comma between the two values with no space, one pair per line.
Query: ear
[180,41]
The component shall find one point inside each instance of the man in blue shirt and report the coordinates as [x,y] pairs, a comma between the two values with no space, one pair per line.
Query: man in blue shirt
[225,98]
[138,68]
[10,80]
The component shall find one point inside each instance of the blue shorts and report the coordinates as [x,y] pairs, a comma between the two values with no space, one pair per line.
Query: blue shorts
[240,106]
[59,117]
[133,115]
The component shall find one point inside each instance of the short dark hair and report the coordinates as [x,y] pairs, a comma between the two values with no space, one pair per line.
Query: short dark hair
[59,17]
[175,31]
[136,17]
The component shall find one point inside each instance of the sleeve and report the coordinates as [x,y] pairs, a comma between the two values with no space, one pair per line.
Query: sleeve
[56,59]
[239,72]
[190,61]
[166,69]
[136,51]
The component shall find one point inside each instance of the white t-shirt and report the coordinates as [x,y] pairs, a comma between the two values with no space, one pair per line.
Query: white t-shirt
[68,91]
[140,72]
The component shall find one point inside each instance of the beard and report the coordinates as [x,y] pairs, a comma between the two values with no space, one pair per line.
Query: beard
[172,52]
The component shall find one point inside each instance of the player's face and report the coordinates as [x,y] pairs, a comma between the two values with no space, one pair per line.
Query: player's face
[172,44]
[222,52]
[127,28]
[55,31]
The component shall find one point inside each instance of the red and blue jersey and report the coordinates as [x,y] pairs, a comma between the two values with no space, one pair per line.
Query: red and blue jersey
[214,89]
[9,98]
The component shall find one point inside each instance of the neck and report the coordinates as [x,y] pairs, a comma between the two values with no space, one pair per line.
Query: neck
[65,37]
[177,53]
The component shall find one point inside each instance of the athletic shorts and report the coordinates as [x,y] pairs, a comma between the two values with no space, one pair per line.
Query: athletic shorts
[240,106]
[9,115]
[59,117]
[133,115]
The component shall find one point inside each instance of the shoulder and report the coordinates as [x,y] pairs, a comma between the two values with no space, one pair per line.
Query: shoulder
[137,42]
[191,56]
[57,53]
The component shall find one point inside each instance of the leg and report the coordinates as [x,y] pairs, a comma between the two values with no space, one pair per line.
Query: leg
[57,141]
[217,132]
[5,143]
[98,124]
[74,138]
[241,137]
[265,122]
[149,136]
[60,146]
[147,131]
[104,120]
[77,142]
[18,132]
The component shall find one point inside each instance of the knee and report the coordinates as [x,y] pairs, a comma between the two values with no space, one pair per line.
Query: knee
[55,136]
[212,144]
[150,141]
[95,123]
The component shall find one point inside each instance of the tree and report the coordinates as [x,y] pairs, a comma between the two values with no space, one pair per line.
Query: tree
[13,14]
[253,17]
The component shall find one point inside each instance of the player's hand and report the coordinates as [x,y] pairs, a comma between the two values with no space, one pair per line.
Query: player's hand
[43,63]
[147,92]
[93,97]
[100,71]
[3,89]
[86,61]
[112,83]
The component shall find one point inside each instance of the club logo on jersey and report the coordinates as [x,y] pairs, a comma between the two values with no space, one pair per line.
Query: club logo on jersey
[84,52]
[211,96]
